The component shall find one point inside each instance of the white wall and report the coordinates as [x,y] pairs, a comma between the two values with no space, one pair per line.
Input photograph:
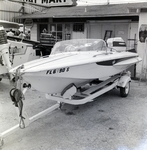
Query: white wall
[9,10]
[142,20]
[133,33]
[34,32]
[95,31]
[126,30]
[142,47]
[98,29]
[80,35]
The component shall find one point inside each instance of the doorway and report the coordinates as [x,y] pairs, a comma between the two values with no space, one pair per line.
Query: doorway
[42,28]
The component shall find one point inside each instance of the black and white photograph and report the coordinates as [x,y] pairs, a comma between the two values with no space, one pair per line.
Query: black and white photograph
[73,75]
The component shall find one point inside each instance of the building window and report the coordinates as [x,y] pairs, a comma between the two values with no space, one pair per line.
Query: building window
[56,30]
[143,10]
[78,27]
[67,32]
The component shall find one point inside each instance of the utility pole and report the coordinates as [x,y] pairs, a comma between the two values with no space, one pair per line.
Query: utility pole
[23,12]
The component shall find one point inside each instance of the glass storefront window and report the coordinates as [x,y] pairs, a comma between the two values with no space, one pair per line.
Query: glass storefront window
[53,27]
[59,27]
[78,27]
[53,33]
[60,31]
[57,31]
[59,36]
[67,32]
[67,28]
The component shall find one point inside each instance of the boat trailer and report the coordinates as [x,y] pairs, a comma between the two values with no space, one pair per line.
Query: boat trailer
[70,95]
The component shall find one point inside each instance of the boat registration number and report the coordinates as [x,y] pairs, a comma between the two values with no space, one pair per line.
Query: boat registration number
[54,71]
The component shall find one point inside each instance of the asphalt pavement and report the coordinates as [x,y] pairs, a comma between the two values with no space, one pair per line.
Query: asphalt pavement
[110,122]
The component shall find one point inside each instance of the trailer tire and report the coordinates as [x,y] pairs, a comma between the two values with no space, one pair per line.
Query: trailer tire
[0,79]
[124,91]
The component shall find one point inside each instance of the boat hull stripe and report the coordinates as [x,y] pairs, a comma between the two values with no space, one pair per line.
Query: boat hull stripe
[112,62]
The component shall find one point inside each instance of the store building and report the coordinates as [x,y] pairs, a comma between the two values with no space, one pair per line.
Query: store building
[65,20]
[101,21]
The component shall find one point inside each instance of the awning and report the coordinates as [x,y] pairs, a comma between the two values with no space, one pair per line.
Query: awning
[9,25]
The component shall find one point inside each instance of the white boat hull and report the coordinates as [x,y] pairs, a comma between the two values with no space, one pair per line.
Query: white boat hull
[55,80]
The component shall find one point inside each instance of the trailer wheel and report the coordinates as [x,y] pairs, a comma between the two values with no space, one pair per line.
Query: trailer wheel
[124,91]
[0,79]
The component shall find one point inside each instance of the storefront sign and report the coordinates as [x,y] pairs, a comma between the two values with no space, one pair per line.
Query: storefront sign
[28,23]
[53,2]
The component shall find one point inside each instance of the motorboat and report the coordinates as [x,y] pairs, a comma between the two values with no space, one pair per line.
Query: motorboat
[76,72]
[77,61]
[15,51]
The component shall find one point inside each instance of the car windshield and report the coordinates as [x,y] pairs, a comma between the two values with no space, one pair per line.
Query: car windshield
[79,45]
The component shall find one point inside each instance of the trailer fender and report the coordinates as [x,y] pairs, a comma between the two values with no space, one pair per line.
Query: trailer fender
[124,80]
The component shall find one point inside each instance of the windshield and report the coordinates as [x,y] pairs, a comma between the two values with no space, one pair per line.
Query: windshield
[79,45]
